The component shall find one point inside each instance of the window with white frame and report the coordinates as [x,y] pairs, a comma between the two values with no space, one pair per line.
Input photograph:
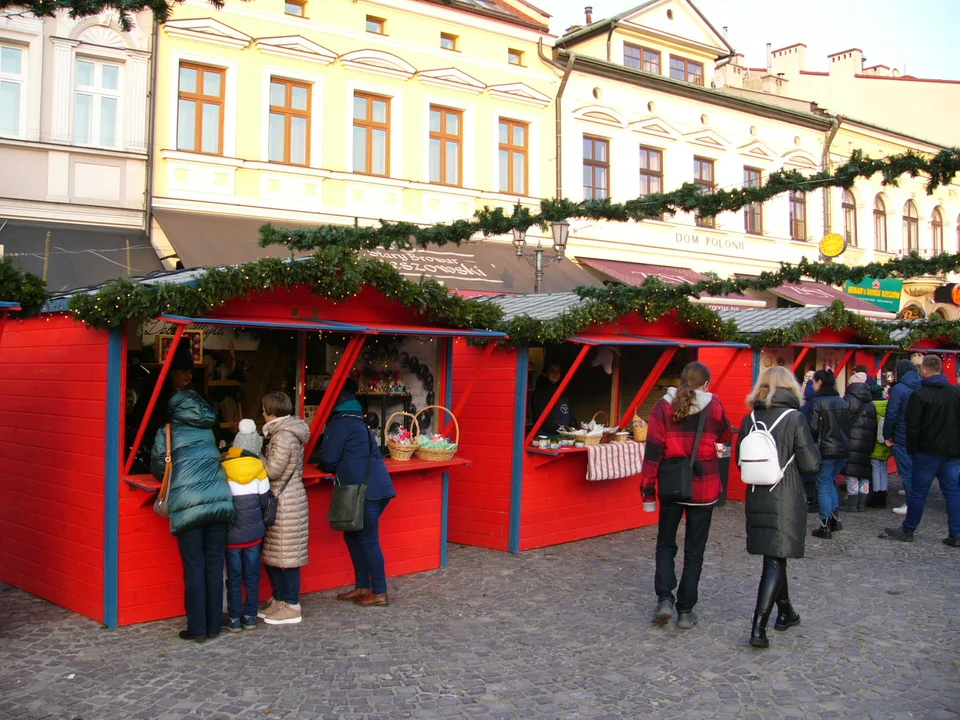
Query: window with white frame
[13,67]
[96,103]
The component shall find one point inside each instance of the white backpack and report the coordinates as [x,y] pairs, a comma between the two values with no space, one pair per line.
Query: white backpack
[759,461]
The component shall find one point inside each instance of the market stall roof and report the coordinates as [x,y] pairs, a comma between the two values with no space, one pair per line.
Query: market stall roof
[753,322]
[899,333]
[79,255]
[205,239]
[630,273]
[544,306]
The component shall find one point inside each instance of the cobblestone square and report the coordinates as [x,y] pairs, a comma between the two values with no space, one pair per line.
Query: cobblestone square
[557,633]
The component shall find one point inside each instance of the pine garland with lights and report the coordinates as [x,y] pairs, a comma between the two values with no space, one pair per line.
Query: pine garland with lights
[835,317]
[929,329]
[24,288]
[940,170]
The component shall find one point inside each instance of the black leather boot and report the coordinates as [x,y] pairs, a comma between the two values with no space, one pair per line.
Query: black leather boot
[787,617]
[758,634]
[882,499]
[833,522]
[767,593]
[852,503]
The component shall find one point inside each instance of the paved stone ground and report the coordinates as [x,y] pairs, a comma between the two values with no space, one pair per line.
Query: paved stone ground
[557,633]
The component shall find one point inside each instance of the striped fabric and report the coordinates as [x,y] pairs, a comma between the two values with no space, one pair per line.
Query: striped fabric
[613,461]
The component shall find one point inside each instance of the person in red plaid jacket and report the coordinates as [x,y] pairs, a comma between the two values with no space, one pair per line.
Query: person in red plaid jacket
[671,434]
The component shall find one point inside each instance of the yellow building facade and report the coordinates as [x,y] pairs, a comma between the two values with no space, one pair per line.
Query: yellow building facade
[337,112]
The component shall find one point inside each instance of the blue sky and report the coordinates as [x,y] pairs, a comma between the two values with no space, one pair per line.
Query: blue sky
[921,34]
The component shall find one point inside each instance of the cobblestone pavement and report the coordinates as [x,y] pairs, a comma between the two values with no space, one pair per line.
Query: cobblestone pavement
[557,633]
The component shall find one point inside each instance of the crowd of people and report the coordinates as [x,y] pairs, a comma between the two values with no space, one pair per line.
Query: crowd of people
[819,436]
[232,511]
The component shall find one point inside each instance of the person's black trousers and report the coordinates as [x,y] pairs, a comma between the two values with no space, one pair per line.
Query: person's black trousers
[695,541]
[202,554]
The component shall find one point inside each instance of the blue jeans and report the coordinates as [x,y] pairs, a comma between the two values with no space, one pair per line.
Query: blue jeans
[365,551]
[285,583]
[827,487]
[947,472]
[904,466]
[243,571]
[201,551]
[881,475]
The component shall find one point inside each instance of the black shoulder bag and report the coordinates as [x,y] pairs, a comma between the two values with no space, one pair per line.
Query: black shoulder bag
[676,474]
[347,501]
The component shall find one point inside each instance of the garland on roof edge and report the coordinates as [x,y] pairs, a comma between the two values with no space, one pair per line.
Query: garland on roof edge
[21,287]
[939,169]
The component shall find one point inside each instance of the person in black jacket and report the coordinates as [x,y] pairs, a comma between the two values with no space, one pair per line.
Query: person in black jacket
[863,439]
[777,516]
[350,452]
[830,425]
[933,417]
[562,413]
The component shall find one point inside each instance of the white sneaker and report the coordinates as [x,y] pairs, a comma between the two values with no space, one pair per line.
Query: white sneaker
[902,510]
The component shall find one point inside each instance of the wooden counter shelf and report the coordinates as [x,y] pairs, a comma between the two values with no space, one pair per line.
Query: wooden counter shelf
[314,475]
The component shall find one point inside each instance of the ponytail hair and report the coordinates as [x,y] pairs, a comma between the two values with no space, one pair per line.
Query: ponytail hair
[825,377]
[694,376]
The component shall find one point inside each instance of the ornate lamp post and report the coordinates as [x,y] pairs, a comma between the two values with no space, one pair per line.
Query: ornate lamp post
[561,233]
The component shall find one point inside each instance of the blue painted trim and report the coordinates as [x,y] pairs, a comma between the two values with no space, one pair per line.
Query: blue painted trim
[111,487]
[445,506]
[4,305]
[516,471]
[756,366]
[301,325]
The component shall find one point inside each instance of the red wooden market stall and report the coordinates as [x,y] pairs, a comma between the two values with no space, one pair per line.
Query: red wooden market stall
[524,497]
[78,526]
[944,347]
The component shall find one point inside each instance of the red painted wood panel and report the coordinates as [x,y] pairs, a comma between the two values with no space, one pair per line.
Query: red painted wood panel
[479,503]
[151,584]
[53,380]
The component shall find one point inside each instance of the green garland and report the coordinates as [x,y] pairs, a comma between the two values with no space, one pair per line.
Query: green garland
[929,329]
[333,273]
[939,169]
[835,317]
[22,287]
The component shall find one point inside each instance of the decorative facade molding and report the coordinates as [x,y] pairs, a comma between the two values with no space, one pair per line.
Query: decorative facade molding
[708,138]
[452,78]
[62,88]
[800,158]
[378,62]
[296,47]
[105,36]
[656,126]
[758,150]
[209,31]
[519,92]
[601,115]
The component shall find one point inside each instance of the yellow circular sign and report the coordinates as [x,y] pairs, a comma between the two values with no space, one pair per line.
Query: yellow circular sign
[832,245]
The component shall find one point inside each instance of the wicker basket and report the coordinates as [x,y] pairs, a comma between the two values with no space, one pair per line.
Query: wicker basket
[434,455]
[639,429]
[592,439]
[599,412]
[399,451]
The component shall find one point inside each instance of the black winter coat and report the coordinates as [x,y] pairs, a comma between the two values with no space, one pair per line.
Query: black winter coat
[348,449]
[933,418]
[830,424]
[863,430]
[777,517]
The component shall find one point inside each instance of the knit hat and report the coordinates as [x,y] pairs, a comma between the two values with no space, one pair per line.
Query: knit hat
[349,392]
[858,377]
[248,438]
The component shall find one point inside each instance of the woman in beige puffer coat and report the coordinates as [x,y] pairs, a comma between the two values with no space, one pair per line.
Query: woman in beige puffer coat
[286,542]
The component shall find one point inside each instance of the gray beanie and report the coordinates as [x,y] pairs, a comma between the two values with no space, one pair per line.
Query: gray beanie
[248,438]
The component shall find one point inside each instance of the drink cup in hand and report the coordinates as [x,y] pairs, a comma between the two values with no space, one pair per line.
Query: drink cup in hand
[650,506]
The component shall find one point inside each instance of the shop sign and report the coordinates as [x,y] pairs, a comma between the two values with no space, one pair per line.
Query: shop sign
[947,294]
[912,312]
[833,245]
[882,293]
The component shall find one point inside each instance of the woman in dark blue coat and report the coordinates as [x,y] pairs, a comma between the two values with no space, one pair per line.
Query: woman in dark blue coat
[351,453]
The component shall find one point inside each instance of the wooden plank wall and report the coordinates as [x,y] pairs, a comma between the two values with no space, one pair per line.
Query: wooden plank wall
[480,494]
[53,386]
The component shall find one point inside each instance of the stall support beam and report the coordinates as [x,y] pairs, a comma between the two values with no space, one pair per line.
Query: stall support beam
[714,386]
[843,363]
[487,352]
[649,383]
[800,357]
[116,380]
[883,361]
[155,395]
[448,401]
[516,469]
[557,395]
[350,355]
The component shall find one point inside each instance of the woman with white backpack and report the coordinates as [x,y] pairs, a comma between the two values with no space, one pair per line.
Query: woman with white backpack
[772,462]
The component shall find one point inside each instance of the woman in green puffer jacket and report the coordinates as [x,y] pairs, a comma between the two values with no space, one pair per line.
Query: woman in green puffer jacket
[200,502]
[879,460]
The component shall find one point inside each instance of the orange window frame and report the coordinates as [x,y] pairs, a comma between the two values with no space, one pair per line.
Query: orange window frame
[289,112]
[513,149]
[707,185]
[444,137]
[199,98]
[369,125]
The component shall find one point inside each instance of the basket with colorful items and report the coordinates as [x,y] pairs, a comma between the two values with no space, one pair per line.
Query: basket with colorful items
[402,442]
[639,429]
[438,447]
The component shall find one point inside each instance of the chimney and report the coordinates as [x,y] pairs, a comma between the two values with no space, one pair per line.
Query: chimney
[588,11]
[769,61]
[725,28]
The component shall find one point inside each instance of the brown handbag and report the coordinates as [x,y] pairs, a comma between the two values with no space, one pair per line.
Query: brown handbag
[160,505]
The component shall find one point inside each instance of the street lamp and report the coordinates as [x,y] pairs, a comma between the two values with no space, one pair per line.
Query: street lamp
[561,233]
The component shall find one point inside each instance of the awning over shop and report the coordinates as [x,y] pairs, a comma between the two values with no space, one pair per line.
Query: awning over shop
[811,294]
[80,255]
[203,240]
[630,273]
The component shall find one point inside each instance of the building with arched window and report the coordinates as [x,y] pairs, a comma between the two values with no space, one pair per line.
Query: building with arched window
[879,224]
[936,231]
[911,227]
[849,206]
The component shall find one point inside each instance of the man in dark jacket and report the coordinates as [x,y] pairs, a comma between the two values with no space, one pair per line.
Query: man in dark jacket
[562,414]
[863,439]
[895,424]
[933,416]
[830,426]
